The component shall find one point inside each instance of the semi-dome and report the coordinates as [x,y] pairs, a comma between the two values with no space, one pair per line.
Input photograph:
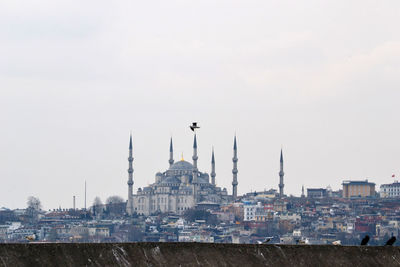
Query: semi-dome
[171,180]
[182,166]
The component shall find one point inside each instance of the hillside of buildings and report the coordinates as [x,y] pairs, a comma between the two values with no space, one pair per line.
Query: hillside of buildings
[257,217]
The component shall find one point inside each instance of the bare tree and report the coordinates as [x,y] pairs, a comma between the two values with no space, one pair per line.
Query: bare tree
[115,206]
[34,206]
[97,205]
[34,203]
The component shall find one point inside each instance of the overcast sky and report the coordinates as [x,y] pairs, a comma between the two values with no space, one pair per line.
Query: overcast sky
[319,78]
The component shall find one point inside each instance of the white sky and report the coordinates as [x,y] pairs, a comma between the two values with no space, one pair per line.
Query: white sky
[320,78]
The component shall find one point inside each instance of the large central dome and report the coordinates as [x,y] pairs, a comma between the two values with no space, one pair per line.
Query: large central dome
[182,166]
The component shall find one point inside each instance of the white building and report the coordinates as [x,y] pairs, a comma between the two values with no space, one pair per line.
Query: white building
[249,211]
[257,212]
[390,190]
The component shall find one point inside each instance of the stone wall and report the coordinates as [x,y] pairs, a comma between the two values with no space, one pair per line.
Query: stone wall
[194,254]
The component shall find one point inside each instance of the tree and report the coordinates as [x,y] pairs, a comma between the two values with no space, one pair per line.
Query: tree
[34,206]
[97,201]
[115,206]
[97,205]
[34,203]
[114,200]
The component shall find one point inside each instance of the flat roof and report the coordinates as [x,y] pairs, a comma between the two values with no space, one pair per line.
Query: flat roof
[349,182]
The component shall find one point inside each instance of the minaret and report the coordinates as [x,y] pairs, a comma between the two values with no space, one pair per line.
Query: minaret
[234,170]
[171,154]
[129,205]
[281,174]
[213,174]
[302,191]
[195,157]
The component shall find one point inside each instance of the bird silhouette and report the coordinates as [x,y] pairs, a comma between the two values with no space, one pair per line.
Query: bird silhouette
[31,237]
[194,126]
[365,240]
[391,241]
[266,241]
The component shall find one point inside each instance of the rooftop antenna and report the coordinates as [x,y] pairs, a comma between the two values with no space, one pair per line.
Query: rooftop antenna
[85,195]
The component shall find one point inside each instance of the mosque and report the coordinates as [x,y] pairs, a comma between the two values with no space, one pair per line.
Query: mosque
[181,187]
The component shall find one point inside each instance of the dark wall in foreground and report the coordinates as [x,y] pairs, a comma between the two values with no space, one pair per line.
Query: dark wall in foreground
[194,254]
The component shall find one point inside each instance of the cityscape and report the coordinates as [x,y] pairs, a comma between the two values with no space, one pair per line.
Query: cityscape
[199,133]
[185,204]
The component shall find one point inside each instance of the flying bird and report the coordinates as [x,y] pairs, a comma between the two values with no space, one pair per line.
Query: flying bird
[391,241]
[194,126]
[337,242]
[365,240]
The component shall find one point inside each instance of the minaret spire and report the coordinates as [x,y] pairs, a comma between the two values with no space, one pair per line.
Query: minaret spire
[129,206]
[302,191]
[195,158]
[213,174]
[171,154]
[281,174]
[234,170]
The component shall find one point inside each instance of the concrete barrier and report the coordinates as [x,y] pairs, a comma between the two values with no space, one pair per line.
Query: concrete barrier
[194,254]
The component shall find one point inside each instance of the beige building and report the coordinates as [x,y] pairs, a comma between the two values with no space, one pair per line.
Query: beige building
[358,189]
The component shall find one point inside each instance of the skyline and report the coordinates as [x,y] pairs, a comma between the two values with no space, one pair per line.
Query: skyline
[229,188]
[319,79]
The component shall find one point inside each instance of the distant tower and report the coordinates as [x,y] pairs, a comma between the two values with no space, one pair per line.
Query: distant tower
[302,191]
[195,158]
[129,205]
[281,174]
[171,154]
[85,195]
[213,174]
[234,170]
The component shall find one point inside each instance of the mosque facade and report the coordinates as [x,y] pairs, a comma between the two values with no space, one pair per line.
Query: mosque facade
[181,187]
